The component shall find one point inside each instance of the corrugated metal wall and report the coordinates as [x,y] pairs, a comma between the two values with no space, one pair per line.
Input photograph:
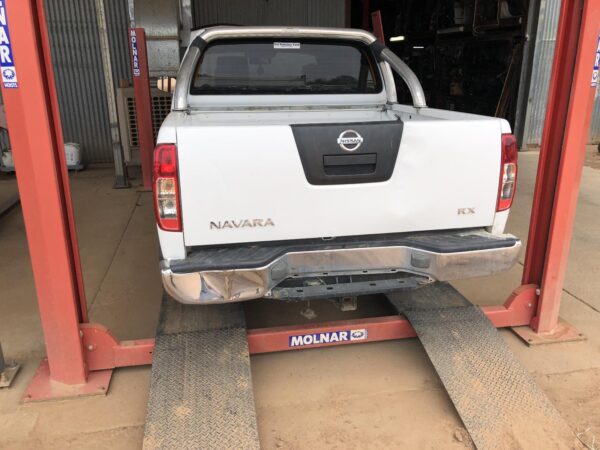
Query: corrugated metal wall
[161,21]
[117,21]
[595,128]
[78,69]
[540,77]
[323,13]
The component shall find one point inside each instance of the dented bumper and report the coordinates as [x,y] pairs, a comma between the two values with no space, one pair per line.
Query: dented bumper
[251,272]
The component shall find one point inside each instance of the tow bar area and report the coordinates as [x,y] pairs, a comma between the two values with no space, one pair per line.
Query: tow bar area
[326,287]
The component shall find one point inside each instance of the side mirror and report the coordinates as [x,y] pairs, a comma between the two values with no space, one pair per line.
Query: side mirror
[166,84]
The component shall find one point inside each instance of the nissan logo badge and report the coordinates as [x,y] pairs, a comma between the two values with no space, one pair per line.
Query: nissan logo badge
[350,140]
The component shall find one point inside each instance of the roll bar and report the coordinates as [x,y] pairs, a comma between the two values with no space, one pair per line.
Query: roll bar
[406,73]
[191,58]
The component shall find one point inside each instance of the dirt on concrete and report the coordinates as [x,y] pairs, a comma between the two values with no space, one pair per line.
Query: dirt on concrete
[379,395]
[592,156]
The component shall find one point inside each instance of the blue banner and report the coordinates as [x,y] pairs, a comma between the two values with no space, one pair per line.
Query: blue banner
[596,71]
[135,59]
[7,63]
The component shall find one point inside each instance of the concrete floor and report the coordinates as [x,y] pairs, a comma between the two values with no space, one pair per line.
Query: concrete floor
[380,395]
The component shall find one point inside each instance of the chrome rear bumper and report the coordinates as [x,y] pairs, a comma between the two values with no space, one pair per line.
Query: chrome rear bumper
[234,285]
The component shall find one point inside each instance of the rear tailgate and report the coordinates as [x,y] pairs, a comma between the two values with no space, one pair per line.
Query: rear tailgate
[251,183]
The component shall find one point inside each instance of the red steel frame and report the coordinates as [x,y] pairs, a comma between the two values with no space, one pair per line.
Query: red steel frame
[143,101]
[82,355]
[378,26]
[566,128]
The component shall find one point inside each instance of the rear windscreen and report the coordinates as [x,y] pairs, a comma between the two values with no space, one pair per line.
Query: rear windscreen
[286,67]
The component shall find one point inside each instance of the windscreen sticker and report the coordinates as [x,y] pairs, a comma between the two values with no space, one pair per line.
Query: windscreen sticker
[329,337]
[596,71]
[135,58]
[7,63]
[286,45]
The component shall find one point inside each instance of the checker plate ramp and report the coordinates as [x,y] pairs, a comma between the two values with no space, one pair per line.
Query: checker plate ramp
[201,389]
[499,403]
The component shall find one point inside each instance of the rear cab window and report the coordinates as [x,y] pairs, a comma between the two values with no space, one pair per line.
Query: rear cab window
[286,67]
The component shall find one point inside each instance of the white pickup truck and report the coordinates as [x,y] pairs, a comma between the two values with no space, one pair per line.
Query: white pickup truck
[288,170]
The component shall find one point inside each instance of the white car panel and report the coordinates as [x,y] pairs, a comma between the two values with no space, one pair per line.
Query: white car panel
[445,177]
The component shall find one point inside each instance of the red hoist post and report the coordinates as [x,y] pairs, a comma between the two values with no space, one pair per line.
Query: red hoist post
[378,26]
[566,129]
[80,355]
[143,101]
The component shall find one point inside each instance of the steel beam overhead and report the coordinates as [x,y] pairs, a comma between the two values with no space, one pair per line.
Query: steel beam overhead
[143,101]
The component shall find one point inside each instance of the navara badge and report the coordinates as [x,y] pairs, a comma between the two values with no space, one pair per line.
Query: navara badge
[350,140]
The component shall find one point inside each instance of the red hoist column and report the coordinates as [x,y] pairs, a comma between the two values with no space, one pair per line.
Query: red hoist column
[378,26]
[80,356]
[143,101]
[570,103]
[37,145]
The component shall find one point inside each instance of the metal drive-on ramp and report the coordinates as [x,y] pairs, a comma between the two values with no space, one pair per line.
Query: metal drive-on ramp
[498,401]
[201,389]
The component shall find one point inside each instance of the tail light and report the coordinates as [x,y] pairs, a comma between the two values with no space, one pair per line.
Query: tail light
[508,172]
[166,188]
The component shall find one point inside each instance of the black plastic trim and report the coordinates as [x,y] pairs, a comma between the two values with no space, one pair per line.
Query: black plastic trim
[377,47]
[199,43]
[247,256]
[318,147]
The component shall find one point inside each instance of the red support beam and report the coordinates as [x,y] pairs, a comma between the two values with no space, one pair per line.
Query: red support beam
[277,339]
[64,174]
[32,114]
[103,351]
[562,153]
[518,311]
[143,101]
[366,11]
[38,152]
[378,26]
